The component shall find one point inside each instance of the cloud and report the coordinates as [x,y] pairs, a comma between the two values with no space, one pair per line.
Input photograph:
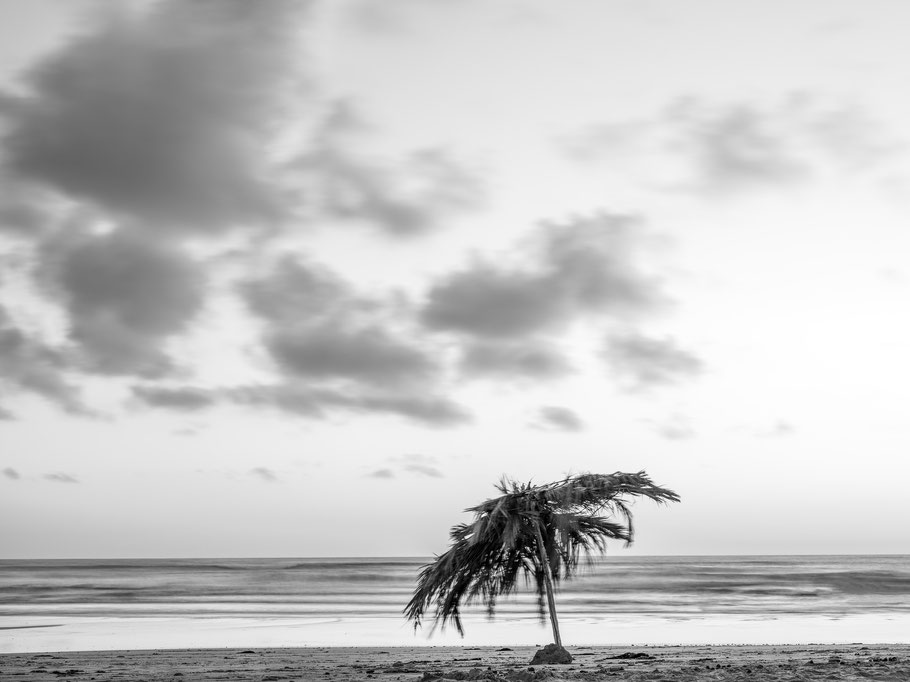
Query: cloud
[421,465]
[126,295]
[583,267]
[393,19]
[264,473]
[642,362]
[367,355]
[410,196]
[739,147]
[163,113]
[556,418]
[340,350]
[294,290]
[29,365]
[11,474]
[423,470]
[780,429]
[607,141]
[528,359]
[312,402]
[319,328]
[182,398]
[60,477]
[726,149]
[24,211]
[488,301]
[677,427]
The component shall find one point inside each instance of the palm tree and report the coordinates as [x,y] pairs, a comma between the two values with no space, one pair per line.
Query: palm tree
[539,531]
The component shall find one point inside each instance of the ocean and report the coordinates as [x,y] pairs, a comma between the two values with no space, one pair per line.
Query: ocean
[66,605]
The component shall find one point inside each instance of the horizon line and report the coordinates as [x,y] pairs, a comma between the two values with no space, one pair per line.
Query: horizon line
[425,557]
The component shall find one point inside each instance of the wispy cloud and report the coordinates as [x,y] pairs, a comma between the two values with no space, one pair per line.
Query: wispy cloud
[408,196]
[11,474]
[641,362]
[779,429]
[676,427]
[180,398]
[722,149]
[264,473]
[558,418]
[60,477]
[420,465]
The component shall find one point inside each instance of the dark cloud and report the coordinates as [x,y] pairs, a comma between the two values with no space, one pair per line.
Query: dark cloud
[313,402]
[60,477]
[163,114]
[264,473]
[355,352]
[642,362]
[409,196]
[319,402]
[428,409]
[367,355]
[382,473]
[28,365]
[23,210]
[20,217]
[295,291]
[556,418]
[125,295]
[318,328]
[513,360]
[488,301]
[582,267]
[182,399]
[11,474]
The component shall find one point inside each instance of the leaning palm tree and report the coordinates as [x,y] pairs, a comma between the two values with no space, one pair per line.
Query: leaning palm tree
[539,531]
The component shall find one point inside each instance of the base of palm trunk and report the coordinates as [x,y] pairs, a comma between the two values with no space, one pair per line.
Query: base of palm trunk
[551,653]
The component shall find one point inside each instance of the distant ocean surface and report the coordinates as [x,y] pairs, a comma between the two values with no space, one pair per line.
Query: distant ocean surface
[117,604]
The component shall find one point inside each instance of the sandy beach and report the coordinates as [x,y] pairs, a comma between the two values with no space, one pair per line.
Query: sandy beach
[342,664]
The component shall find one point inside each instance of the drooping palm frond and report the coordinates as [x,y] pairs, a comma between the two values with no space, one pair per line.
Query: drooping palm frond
[487,556]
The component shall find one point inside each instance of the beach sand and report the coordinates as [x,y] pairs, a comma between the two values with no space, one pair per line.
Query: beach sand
[337,664]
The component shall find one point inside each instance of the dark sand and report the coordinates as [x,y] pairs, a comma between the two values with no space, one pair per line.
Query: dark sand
[677,663]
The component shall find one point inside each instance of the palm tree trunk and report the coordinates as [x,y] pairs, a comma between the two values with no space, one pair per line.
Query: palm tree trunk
[548,581]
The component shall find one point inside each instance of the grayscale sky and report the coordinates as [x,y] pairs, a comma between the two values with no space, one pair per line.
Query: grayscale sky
[285,278]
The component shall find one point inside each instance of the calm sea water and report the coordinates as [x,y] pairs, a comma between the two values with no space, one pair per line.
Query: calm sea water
[91,604]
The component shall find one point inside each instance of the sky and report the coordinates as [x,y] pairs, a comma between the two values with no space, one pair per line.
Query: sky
[297,278]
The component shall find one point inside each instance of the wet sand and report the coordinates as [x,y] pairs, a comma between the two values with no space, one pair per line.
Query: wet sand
[339,664]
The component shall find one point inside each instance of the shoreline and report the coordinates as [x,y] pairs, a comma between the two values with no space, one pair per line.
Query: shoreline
[859,661]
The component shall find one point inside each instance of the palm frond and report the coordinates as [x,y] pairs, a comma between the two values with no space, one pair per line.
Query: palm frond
[487,556]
